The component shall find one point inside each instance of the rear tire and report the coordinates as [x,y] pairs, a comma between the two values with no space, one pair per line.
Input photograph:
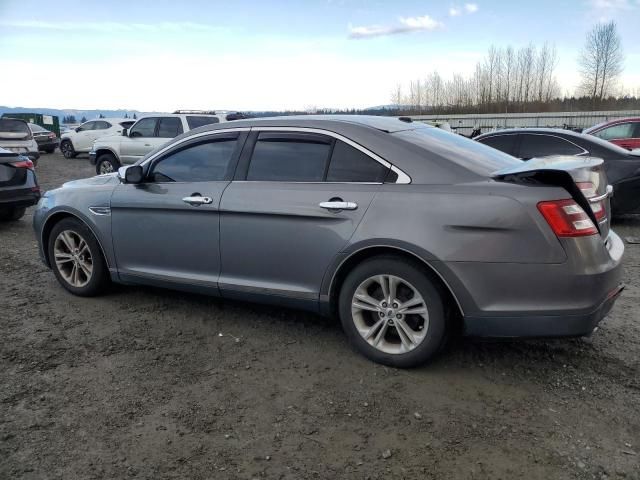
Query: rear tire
[76,258]
[66,147]
[107,163]
[12,214]
[392,312]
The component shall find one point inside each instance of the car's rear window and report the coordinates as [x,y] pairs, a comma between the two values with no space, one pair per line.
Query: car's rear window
[200,121]
[37,128]
[471,155]
[9,125]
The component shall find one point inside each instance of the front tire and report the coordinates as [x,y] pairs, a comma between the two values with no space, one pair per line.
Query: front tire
[392,312]
[107,163]
[12,214]
[76,258]
[66,147]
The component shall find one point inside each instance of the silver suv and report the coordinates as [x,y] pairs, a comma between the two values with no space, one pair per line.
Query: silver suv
[148,133]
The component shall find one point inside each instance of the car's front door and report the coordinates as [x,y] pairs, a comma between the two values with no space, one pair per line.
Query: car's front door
[139,140]
[84,137]
[166,229]
[295,202]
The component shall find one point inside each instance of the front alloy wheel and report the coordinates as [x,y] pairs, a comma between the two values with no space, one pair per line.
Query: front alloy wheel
[76,258]
[67,149]
[73,258]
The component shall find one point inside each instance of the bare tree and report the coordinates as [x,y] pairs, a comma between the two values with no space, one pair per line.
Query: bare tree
[601,60]
[396,96]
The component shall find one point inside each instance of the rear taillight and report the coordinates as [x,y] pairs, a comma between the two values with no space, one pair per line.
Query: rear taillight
[588,189]
[567,219]
[52,135]
[23,164]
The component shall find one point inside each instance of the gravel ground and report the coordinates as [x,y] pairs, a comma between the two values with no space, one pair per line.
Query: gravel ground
[155,384]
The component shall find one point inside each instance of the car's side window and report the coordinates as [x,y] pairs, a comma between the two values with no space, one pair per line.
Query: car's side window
[208,161]
[622,130]
[544,145]
[195,121]
[101,125]
[169,127]
[145,127]
[289,158]
[87,126]
[348,164]
[504,143]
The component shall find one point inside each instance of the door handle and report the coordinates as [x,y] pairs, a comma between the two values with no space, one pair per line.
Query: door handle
[338,205]
[197,200]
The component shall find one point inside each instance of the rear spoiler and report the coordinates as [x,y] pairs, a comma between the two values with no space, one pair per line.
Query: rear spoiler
[562,171]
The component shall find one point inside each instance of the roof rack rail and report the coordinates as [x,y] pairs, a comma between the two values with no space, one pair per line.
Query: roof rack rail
[202,112]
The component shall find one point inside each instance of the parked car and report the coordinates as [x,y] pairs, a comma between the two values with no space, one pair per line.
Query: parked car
[47,141]
[148,133]
[622,166]
[18,185]
[81,138]
[624,132]
[401,229]
[16,136]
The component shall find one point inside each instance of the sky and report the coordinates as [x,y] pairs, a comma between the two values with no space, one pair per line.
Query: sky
[275,54]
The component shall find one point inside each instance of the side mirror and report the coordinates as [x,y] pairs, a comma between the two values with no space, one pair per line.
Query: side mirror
[125,132]
[131,174]
[79,129]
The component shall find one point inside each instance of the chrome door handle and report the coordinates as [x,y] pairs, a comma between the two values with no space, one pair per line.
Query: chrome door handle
[197,201]
[338,205]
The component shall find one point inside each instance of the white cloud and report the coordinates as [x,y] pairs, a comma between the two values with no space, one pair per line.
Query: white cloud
[471,7]
[454,11]
[110,27]
[406,25]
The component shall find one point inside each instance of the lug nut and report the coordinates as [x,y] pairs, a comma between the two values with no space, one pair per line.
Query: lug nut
[384,304]
[398,316]
[395,305]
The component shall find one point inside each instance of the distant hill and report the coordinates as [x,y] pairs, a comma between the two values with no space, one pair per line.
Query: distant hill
[88,114]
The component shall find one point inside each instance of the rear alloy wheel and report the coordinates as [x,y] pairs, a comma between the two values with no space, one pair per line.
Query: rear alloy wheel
[66,147]
[107,163]
[12,214]
[392,312]
[76,258]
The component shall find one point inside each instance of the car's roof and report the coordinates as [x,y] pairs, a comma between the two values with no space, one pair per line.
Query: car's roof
[111,119]
[385,124]
[614,121]
[554,131]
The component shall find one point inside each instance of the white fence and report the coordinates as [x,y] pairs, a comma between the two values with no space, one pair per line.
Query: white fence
[488,121]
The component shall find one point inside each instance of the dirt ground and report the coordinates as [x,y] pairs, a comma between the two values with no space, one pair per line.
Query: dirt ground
[155,384]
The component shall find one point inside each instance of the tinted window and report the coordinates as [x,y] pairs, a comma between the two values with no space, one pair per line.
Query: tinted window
[288,160]
[169,127]
[9,125]
[144,128]
[88,126]
[504,143]
[101,125]
[545,145]
[469,154]
[127,124]
[199,121]
[623,130]
[205,162]
[349,164]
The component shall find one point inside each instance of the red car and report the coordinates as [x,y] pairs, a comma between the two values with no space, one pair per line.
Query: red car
[622,131]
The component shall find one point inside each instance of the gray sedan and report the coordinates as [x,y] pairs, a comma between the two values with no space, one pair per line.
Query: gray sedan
[406,232]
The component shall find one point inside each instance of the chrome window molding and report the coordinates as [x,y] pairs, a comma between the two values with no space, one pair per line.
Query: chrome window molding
[403,178]
[584,152]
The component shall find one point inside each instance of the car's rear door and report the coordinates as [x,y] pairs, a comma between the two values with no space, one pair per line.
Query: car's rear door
[167,228]
[295,202]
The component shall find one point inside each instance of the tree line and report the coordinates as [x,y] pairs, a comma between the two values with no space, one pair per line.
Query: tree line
[523,80]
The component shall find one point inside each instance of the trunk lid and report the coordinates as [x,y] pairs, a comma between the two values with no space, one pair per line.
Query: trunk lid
[10,175]
[584,179]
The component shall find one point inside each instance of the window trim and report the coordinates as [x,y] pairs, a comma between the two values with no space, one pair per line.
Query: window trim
[516,144]
[238,137]
[522,134]
[403,178]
